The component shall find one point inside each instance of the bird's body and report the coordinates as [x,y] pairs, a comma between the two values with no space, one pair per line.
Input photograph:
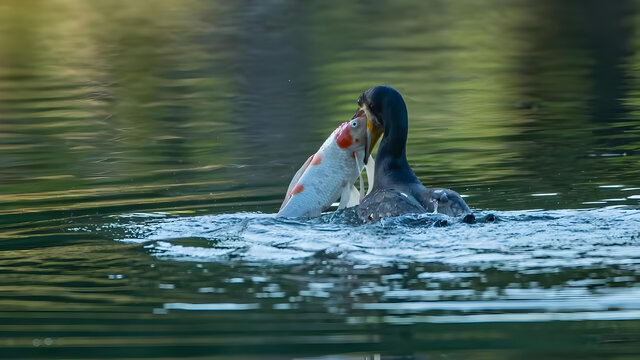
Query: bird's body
[397,190]
[388,202]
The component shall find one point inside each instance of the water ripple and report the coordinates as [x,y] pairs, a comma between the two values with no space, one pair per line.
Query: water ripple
[519,240]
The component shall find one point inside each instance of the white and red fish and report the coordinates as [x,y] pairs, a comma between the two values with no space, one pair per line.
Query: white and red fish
[329,174]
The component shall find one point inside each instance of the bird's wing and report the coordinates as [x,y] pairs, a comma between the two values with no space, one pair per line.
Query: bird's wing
[444,201]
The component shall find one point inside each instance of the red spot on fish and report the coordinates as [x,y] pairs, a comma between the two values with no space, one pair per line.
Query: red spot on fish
[316,159]
[343,136]
[357,140]
[297,189]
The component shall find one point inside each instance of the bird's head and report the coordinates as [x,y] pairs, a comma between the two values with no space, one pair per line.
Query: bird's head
[378,104]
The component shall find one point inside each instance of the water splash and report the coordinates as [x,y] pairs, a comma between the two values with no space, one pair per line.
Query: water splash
[516,240]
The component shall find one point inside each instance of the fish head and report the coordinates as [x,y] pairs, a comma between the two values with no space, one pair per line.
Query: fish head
[352,135]
[367,106]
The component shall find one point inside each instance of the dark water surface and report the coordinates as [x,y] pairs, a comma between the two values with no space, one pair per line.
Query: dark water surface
[145,145]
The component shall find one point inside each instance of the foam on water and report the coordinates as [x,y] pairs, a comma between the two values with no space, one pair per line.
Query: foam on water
[518,240]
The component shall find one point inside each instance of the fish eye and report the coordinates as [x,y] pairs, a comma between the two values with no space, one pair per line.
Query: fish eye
[354,123]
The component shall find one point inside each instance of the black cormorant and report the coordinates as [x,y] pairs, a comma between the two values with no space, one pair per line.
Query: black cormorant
[396,188]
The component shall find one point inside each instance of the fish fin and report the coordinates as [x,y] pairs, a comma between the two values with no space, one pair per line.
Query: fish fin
[355,197]
[371,170]
[348,198]
[344,198]
[295,180]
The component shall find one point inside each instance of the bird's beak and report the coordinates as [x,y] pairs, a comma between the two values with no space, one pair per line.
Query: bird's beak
[373,135]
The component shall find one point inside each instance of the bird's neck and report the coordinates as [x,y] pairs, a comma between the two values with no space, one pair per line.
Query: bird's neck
[393,146]
[390,163]
[392,154]
[396,127]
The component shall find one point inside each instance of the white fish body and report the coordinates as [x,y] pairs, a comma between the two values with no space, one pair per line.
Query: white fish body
[329,174]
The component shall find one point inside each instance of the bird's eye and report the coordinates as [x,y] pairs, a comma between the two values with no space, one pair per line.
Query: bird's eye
[354,123]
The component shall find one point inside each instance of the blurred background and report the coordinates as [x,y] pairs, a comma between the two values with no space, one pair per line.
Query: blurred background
[196,106]
[111,105]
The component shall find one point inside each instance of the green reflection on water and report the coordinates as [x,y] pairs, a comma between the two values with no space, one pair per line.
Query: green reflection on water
[503,99]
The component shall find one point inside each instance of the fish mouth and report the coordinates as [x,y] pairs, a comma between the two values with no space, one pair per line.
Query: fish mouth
[373,132]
